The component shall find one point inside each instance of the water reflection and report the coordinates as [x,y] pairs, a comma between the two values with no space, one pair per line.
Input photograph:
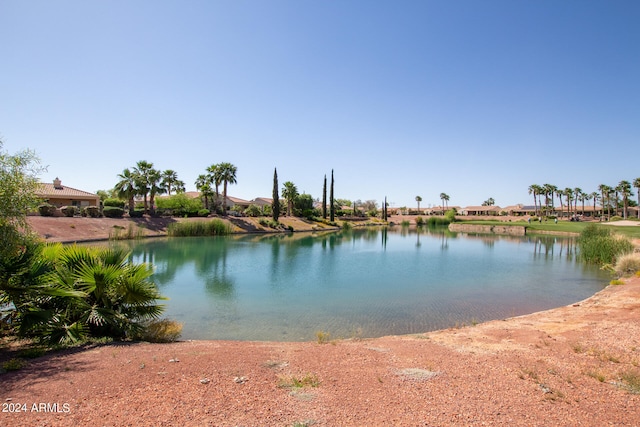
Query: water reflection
[393,280]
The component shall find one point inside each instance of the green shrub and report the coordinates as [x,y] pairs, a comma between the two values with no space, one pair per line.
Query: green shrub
[68,211]
[405,223]
[419,221]
[47,210]
[181,205]
[203,213]
[112,212]
[450,215]
[13,365]
[114,203]
[600,246]
[136,213]
[438,220]
[252,211]
[215,227]
[93,211]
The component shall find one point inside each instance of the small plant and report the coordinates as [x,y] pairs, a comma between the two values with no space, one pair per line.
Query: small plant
[68,211]
[113,212]
[597,375]
[131,233]
[308,380]
[631,380]
[405,223]
[13,365]
[616,282]
[163,330]
[628,265]
[419,221]
[323,337]
[33,352]
[47,210]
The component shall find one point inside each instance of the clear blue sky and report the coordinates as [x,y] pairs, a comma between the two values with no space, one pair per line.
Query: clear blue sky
[477,98]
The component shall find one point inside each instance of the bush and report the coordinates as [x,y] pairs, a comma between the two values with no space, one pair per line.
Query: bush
[599,245]
[252,211]
[180,205]
[419,221]
[136,213]
[93,211]
[214,227]
[450,215]
[68,211]
[628,264]
[163,330]
[203,213]
[47,210]
[115,203]
[112,212]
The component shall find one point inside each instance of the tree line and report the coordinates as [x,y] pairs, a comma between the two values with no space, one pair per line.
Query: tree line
[612,198]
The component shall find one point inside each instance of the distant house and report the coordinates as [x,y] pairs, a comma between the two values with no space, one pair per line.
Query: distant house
[262,201]
[481,211]
[58,195]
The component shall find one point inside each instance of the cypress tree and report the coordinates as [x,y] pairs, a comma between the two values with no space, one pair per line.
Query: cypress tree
[275,204]
[332,208]
[324,198]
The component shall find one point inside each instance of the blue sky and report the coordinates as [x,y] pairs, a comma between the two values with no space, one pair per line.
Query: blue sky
[477,98]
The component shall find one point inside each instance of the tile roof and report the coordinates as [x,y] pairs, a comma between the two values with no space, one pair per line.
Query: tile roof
[48,191]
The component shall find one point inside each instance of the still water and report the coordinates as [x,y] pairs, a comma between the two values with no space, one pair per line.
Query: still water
[360,283]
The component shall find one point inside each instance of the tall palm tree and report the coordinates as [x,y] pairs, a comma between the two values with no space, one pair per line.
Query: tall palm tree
[290,193]
[169,180]
[568,193]
[142,170]
[445,198]
[595,197]
[577,195]
[228,176]
[605,191]
[203,184]
[418,199]
[536,190]
[636,184]
[215,179]
[624,187]
[155,187]
[126,187]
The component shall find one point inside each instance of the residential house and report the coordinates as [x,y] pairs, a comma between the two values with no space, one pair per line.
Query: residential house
[58,195]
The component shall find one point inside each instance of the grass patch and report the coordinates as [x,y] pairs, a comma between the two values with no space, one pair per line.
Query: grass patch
[631,380]
[323,337]
[14,364]
[616,282]
[131,233]
[599,245]
[214,227]
[159,331]
[597,375]
[307,380]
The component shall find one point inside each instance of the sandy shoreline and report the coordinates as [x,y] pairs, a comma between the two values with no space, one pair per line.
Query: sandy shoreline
[561,367]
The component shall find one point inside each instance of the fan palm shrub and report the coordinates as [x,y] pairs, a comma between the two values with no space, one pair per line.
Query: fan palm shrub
[83,292]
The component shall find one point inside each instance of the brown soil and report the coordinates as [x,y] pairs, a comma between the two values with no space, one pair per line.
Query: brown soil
[563,367]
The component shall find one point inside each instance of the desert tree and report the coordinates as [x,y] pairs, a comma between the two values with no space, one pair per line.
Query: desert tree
[290,193]
[332,208]
[636,184]
[275,202]
[324,198]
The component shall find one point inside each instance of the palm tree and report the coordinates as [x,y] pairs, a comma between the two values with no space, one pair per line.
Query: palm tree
[577,195]
[215,178]
[536,190]
[142,170]
[203,184]
[290,193]
[169,180]
[227,175]
[636,184]
[155,187]
[418,199]
[568,193]
[445,198]
[92,291]
[625,189]
[126,187]
[605,191]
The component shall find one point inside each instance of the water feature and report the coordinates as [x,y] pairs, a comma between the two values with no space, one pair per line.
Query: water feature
[360,283]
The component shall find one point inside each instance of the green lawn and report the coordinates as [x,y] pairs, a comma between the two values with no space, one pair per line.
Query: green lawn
[563,226]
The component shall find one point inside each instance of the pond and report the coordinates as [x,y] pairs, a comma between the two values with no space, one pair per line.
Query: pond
[360,283]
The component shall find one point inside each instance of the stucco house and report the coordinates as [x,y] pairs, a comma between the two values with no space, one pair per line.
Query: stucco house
[58,195]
